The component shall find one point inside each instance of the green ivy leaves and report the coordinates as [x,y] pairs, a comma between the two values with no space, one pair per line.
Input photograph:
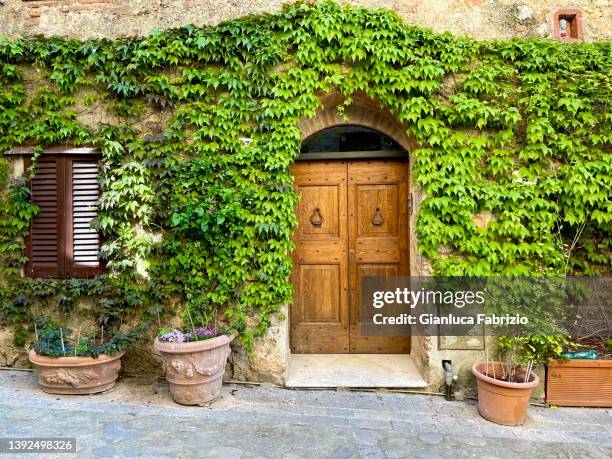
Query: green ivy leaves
[517,130]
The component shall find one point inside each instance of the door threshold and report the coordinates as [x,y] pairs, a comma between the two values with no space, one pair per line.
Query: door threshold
[353,370]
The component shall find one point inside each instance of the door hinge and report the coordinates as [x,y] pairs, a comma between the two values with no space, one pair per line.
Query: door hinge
[411,203]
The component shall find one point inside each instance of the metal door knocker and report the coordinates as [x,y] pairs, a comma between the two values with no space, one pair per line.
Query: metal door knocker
[316,219]
[377,219]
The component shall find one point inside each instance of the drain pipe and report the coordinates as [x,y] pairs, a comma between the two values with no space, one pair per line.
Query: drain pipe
[449,378]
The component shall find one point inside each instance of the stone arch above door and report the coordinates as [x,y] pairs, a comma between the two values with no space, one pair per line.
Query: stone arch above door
[363,111]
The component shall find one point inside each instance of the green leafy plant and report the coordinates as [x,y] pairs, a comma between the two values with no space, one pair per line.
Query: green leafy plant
[517,129]
[57,341]
[537,349]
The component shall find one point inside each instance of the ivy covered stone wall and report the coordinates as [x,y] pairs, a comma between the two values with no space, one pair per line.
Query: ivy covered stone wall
[513,155]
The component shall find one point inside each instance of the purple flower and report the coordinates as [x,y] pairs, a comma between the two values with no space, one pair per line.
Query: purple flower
[205,331]
[175,336]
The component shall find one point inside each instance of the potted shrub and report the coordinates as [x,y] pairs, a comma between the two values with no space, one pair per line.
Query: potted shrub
[193,363]
[77,364]
[505,387]
[584,377]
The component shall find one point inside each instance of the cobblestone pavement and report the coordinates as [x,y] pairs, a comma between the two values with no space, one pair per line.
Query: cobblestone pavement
[138,419]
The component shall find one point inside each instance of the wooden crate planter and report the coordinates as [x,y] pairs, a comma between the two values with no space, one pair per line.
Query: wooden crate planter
[579,383]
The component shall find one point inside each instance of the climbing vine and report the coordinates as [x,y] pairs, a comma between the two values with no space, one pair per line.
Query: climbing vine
[192,214]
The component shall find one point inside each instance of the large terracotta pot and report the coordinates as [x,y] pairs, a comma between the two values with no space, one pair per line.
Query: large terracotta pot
[579,383]
[76,375]
[500,401]
[195,370]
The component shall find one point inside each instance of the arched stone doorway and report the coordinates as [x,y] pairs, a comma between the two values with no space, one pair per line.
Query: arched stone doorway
[363,111]
[353,221]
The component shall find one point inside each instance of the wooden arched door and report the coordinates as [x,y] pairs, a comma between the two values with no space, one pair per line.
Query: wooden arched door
[352,222]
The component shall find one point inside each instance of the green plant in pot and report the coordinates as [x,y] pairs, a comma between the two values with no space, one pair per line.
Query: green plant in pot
[194,361]
[505,385]
[584,377]
[75,363]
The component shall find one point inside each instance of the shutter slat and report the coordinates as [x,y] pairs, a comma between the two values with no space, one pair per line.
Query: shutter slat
[86,186]
[45,181]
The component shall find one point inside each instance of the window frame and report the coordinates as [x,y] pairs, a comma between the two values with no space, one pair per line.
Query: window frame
[574,18]
[400,153]
[65,268]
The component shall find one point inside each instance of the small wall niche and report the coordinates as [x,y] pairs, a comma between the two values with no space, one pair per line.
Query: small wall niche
[568,25]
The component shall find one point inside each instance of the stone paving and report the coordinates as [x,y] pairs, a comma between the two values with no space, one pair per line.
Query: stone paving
[138,419]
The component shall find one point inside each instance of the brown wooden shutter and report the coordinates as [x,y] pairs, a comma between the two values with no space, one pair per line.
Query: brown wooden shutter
[46,241]
[82,241]
[61,243]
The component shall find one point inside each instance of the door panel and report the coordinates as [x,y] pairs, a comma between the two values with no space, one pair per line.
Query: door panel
[319,314]
[318,201]
[352,222]
[320,288]
[377,210]
[378,240]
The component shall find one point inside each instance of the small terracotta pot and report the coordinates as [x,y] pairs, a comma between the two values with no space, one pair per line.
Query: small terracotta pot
[499,401]
[76,375]
[195,370]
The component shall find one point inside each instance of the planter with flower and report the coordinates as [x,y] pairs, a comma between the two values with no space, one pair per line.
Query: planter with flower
[194,362]
[75,363]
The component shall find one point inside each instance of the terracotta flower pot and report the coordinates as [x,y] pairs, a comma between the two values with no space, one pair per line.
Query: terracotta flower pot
[195,370]
[76,375]
[579,383]
[499,401]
